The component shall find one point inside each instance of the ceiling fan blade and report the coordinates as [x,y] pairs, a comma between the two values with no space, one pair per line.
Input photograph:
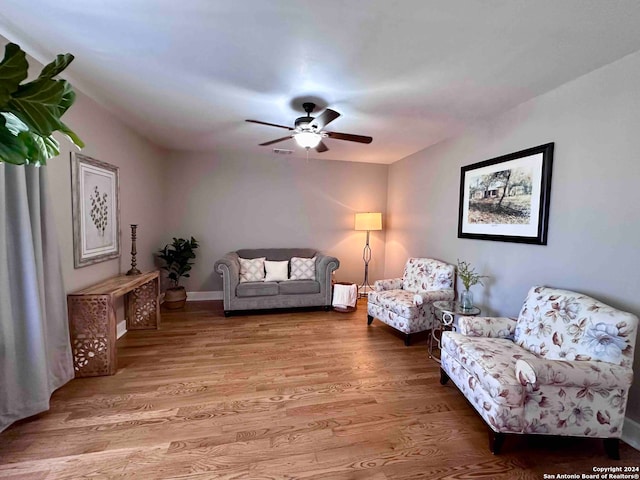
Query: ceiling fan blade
[321,147]
[275,141]
[325,118]
[349,137]
[269,124]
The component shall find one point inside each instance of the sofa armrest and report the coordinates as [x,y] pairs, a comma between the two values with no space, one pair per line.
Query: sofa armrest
[433,296]
[387,284]
[325,266]
[229,267]
[494,327]
[591,374]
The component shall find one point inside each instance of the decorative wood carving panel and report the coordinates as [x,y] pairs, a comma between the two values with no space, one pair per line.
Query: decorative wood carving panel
[142,307]
[90,342]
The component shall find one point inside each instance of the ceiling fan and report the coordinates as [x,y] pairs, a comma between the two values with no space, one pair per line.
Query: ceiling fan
[308,131]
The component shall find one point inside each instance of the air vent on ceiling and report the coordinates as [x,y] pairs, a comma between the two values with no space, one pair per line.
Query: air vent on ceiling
[282,151]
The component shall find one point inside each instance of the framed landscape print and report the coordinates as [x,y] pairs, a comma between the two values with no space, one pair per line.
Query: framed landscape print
[96,210]
[507,198]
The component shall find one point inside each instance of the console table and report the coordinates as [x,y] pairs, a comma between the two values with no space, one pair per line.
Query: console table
[92,319]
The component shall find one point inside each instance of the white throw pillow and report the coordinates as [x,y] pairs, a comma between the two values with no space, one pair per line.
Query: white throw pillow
[251,269]
[276,271]
[303,268]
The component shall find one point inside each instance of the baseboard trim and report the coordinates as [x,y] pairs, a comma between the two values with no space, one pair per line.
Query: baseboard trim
[631,433]
[201,296]
[121,328]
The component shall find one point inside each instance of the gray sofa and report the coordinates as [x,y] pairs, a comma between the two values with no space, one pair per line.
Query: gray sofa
[285,294]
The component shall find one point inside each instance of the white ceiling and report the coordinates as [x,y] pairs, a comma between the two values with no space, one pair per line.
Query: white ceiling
[409,73]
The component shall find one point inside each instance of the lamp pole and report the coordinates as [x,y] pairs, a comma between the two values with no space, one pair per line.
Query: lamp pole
[366,256]
[367,222]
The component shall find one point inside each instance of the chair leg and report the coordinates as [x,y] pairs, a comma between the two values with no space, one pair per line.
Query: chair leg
[407,339]
[444,378]
[496,439]
[612,448]
[227,313]
[369,319]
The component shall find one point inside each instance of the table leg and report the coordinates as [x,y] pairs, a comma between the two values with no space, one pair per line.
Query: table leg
[92,329]
[436,334]
[141,305]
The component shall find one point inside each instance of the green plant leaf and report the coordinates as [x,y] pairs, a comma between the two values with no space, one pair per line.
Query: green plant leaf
[71,135]
[37,104]
[31,112]
[61,62]
[12,150]
[68,97]
[176,256]
[14,124]
[40,149]
[13,70]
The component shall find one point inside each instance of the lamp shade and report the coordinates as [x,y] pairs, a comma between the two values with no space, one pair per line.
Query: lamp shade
[369,221]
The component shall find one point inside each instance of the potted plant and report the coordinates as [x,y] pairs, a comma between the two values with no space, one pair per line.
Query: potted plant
[177,256]
[469,278]
[30,112]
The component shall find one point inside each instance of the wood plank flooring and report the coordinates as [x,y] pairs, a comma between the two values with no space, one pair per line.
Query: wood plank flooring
[309,395]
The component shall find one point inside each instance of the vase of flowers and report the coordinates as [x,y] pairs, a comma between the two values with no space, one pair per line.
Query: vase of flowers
[469,278]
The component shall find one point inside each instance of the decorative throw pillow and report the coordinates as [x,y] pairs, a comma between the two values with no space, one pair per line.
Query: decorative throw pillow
[303,268]
[276,271]
[251,269]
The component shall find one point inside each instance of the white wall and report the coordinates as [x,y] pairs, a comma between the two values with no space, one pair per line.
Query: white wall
[228,201]
[141,190]
[594,226]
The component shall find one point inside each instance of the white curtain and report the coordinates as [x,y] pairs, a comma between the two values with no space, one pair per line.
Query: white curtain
[35,353]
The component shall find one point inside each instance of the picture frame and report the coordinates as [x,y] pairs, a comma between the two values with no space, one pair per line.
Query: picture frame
[507,198]
[95,189]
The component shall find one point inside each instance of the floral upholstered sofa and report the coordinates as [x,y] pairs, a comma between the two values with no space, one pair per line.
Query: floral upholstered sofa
[406,303]
[562,368]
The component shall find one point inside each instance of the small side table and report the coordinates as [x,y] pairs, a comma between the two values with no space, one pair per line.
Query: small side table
[449,310]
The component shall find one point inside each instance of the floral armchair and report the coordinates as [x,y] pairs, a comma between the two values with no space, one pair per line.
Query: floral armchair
[562,368]
[407,303]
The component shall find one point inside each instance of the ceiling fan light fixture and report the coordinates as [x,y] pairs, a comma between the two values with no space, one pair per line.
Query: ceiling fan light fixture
[307,139]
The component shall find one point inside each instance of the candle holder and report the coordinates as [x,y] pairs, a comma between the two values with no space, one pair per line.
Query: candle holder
[133,270]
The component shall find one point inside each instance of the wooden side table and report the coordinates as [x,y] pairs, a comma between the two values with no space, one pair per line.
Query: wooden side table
[448,309]
[92,319]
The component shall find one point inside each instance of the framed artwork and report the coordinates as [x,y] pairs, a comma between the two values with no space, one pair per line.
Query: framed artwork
[96,210]
[507,198]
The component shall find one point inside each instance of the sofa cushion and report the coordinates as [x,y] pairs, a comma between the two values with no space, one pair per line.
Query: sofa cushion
[276,271]
[303,268]
[491,361]
[257,289]
[292,287]
[251,269]
[400,302]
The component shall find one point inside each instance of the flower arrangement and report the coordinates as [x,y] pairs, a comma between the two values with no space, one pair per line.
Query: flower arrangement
[468,275]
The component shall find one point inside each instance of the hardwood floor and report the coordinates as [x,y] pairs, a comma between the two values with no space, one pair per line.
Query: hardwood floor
[313,395]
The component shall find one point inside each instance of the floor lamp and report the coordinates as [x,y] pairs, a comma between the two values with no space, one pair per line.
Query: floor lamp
[367,222]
